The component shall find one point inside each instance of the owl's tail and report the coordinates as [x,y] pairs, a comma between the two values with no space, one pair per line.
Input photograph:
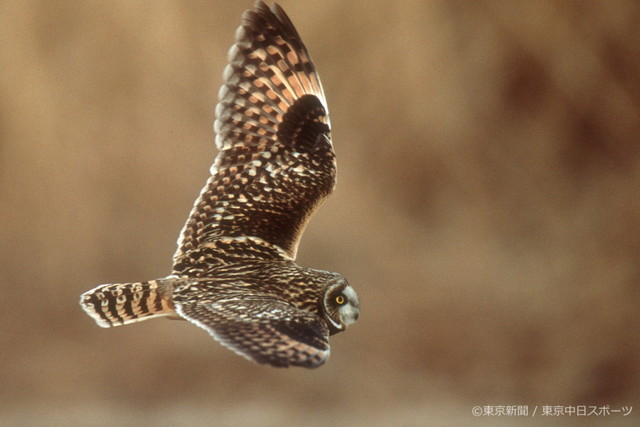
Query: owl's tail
[117,304]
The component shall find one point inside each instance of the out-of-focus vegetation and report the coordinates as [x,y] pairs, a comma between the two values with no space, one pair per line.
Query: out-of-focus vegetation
[487,209]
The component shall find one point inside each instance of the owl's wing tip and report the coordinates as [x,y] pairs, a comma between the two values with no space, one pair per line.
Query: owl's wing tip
[250,328]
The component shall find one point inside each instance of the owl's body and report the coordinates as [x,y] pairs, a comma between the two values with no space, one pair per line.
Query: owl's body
[234,273]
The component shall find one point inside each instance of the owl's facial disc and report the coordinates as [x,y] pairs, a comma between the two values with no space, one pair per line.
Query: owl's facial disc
[342,307]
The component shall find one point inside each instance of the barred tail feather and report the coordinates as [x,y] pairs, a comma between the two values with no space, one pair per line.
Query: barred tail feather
[117,304]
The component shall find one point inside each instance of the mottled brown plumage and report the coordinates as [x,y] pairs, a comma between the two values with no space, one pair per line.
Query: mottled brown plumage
[234,272]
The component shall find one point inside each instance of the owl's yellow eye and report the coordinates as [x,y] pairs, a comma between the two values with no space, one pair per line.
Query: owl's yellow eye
[340,299]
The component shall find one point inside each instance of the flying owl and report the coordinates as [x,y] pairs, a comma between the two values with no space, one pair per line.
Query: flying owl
[234,272]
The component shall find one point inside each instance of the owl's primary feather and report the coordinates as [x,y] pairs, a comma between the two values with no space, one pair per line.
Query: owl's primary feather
[234,273]
[276,161]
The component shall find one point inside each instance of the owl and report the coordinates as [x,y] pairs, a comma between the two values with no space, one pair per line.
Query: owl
[234,273]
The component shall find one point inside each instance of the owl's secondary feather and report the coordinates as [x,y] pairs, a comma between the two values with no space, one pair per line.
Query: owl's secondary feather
[276,162]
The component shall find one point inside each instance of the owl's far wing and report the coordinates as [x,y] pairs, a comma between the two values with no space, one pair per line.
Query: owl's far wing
[262,329]
[276,162]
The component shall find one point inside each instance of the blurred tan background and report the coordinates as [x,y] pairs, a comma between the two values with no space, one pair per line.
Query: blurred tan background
[487,210]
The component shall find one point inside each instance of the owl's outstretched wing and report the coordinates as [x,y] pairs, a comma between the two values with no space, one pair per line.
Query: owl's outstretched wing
[276,162]
[262,329]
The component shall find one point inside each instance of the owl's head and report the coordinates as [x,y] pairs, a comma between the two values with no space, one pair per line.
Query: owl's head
[341,306]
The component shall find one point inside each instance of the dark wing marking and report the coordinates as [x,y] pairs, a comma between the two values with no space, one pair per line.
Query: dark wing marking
[276,162]
[262,329]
